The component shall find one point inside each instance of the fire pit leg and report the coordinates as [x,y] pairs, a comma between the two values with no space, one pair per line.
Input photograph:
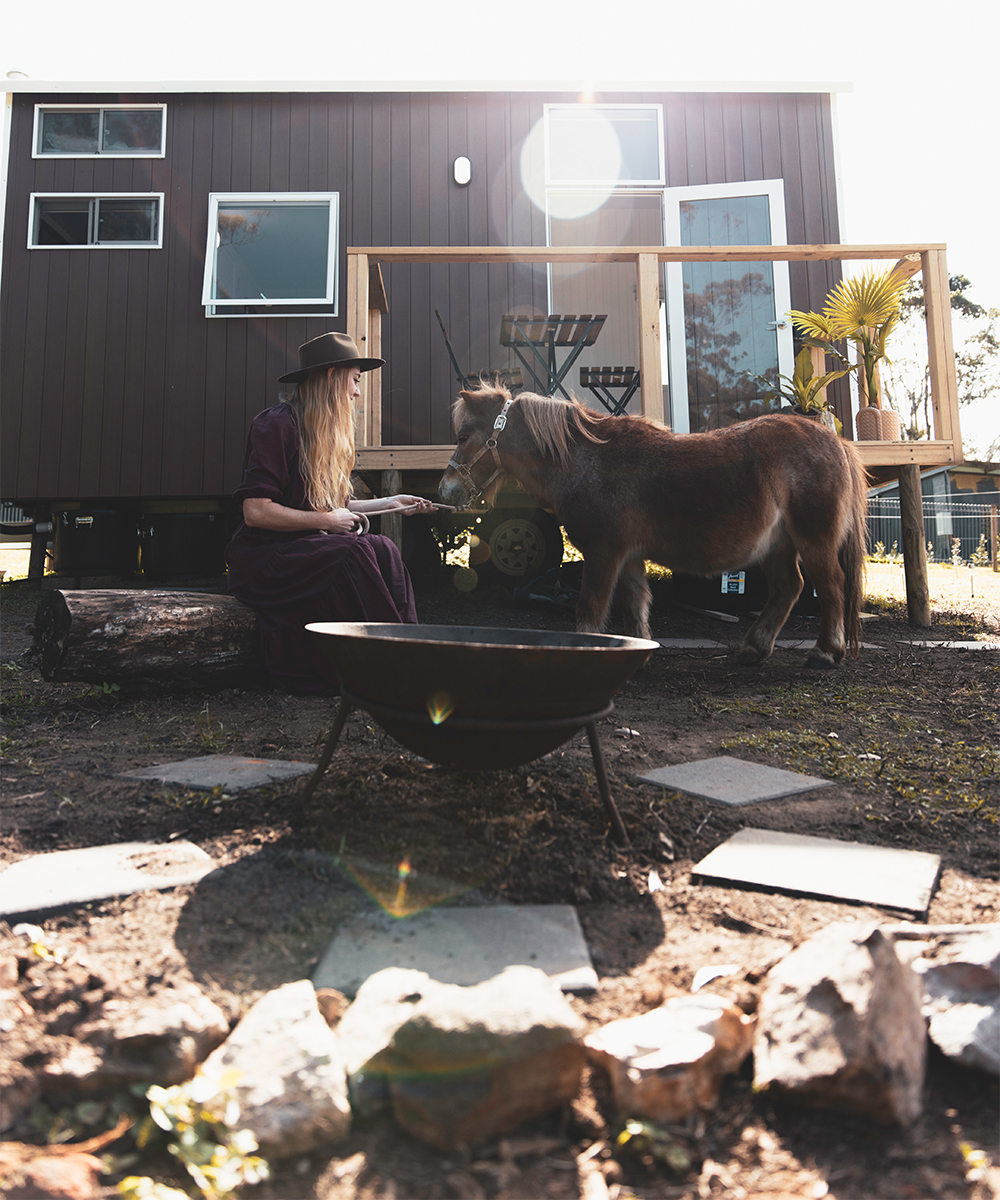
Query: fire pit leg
[621,836]
[328,749]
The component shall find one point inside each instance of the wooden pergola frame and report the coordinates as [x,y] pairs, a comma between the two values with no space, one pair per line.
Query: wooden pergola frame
[366,303]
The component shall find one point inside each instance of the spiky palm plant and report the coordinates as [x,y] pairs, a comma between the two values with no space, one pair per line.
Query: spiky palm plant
[864,310]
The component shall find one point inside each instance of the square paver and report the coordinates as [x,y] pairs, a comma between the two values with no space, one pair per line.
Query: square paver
[791,862]
[462,945]
[75,876]
[228,771]
[732,781]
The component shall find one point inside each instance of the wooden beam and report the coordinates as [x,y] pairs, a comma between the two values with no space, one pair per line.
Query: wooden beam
[404,458]
[940,347]
[892,454]
[650,350]
[907,267]
[563,254]
[377,301]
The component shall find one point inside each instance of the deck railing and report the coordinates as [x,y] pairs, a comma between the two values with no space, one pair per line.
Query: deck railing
[366,303]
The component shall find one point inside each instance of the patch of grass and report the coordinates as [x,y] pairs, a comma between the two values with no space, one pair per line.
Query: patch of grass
[939,775]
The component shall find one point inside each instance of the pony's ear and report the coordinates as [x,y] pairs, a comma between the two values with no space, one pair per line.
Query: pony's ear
[485,392]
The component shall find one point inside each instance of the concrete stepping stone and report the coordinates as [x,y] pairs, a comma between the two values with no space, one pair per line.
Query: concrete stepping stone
[75,876]
[462,945]
[732,781]
[692,644]
[791,862]
[228,771]
[952,645]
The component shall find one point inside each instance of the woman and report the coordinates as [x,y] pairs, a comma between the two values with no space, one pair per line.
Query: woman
[299,554]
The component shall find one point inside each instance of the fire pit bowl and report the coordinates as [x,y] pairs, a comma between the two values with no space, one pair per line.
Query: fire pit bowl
[478,698]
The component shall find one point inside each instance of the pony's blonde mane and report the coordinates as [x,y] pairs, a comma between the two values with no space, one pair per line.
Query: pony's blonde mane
[551,422]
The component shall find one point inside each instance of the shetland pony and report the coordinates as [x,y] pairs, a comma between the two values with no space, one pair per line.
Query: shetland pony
[778,491]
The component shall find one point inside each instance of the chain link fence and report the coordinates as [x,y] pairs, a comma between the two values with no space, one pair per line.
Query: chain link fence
[972,521]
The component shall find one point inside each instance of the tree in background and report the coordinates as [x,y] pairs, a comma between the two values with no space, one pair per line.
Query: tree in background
[977,363]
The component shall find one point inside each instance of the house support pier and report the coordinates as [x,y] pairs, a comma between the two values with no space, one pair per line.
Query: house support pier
[911,512]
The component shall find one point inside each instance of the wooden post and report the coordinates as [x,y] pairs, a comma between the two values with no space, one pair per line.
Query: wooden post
[650,368]
[392,523]
[357,327]
[940,348]
[911,515]
[995,536]
[377,305]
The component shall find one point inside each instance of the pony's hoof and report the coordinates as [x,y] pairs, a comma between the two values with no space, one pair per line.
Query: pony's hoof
[748,657]
[821,662]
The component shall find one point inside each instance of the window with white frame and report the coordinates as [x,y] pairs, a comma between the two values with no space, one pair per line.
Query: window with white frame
[84,131]
[612,144]
[271,254]
[77,222]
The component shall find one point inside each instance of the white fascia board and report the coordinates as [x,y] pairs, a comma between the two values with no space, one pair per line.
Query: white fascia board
[588,87]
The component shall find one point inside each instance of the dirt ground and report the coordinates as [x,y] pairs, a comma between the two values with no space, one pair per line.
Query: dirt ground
[908,736]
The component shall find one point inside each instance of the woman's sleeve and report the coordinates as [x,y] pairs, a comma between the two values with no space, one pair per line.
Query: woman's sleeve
[271,452]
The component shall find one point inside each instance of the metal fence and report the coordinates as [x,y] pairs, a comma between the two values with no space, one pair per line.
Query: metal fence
[945,519]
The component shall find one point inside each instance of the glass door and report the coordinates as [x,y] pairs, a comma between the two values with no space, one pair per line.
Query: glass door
[725,321]
[591,219]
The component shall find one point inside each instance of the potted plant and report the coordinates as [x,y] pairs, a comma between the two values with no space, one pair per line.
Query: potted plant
[803,391]
[863,310]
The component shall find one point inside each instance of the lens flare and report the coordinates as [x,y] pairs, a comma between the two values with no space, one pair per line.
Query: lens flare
[400,890]
[466,579]
[402,871]
[440,707]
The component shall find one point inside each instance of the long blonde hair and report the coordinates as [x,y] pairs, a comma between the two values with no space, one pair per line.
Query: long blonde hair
[321,404]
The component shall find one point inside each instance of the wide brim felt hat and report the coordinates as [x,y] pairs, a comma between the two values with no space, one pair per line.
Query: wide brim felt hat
[329,350]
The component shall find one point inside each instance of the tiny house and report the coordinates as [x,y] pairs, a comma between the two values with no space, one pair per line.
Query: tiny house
[167,248]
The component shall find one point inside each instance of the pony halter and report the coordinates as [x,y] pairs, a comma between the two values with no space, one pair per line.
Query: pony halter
[464,470]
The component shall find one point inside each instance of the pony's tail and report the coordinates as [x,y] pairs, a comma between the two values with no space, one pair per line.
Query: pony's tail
[852,549]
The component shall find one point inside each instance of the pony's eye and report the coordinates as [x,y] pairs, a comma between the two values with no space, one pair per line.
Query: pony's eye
[462,437]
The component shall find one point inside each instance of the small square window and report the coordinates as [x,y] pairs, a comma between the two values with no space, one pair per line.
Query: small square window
[271,254]
[87,222]
[123,130]
[604,144]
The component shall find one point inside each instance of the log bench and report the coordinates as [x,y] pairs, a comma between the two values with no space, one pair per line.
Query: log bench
[166,638]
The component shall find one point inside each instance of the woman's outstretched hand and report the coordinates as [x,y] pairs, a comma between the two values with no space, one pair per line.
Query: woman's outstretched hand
[342,520]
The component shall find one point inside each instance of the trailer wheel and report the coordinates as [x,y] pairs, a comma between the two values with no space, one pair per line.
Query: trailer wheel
[513,545]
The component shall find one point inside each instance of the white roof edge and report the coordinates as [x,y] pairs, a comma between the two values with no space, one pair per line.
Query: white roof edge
[592,87]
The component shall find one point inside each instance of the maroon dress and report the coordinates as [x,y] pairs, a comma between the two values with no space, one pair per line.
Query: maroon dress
[291,579]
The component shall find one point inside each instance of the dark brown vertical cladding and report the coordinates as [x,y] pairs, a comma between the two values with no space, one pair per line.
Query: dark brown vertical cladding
[115,384]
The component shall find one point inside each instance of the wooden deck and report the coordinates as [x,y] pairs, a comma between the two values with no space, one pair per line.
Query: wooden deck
[366,303]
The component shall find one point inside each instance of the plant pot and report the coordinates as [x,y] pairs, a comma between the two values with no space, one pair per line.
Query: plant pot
[868,424]
[879,425]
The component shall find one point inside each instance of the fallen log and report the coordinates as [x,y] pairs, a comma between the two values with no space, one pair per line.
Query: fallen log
[170,639]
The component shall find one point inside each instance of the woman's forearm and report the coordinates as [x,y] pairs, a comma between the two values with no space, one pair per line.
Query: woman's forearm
[261,513]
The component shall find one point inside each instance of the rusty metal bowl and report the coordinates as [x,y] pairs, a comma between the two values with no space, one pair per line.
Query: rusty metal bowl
[474,697]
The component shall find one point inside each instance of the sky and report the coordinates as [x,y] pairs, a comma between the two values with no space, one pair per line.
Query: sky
[918,146]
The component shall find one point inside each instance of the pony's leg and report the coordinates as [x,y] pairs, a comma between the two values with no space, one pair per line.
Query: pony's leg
[634,597]
[784,583]
[823,565]
[601,566]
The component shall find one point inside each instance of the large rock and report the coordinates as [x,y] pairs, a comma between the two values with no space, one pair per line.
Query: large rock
[467,1064]
[669,1062]
[961,981]
[290,1082]
[840,1026]
[384,1001]
[154,1037]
